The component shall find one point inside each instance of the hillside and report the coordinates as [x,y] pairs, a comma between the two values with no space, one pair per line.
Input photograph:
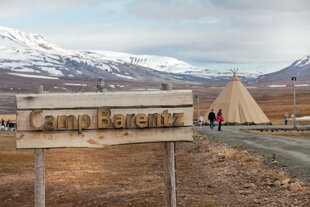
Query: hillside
[300,68]
[31,56]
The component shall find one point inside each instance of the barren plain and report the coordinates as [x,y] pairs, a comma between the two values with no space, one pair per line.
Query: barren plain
[209,172]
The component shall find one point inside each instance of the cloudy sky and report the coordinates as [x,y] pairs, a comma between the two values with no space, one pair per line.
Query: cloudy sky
[264,35]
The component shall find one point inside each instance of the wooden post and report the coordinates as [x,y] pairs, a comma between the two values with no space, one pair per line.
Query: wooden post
[39,167]
[39,178]
[170,165]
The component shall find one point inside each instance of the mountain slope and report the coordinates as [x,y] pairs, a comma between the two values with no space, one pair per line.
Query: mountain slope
[25,53]
[300,68]
[28,53]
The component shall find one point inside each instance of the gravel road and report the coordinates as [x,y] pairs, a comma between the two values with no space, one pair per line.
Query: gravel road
[291,153]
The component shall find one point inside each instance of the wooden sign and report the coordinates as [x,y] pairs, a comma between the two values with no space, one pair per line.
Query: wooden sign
[99,119]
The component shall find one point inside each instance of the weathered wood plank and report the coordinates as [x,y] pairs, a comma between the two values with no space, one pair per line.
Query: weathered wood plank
[159,115]
[24,124]
[101,138]
[39,164]
[171,192]
[109,99]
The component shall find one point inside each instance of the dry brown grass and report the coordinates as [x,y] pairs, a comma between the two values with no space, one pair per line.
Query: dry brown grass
[208,174]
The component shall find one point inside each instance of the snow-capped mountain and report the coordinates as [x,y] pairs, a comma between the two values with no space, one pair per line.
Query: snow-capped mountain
[28,53]
[172,65]
[299,68]
[159,63]
[304,61]
[25,53]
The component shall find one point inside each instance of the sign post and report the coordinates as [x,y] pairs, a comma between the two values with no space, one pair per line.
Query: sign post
[39,167]
[170,159]
[294,102]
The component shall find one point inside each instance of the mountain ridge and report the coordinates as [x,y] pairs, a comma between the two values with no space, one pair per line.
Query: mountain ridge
[22,52]
[299,68]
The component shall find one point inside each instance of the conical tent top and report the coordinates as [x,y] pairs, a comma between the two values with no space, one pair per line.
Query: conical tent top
[234,77]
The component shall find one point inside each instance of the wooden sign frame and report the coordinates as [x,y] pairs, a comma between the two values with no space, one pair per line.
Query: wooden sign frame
[100,119]
[171,120]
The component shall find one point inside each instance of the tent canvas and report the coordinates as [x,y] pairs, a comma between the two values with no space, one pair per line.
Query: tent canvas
[237,104]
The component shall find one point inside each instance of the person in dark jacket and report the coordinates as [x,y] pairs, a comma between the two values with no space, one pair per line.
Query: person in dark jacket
[219,119]
[211,118]
[8,124]
[286,118]
[2,125]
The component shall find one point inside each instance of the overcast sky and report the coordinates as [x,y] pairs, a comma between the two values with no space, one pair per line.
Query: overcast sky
[264,35]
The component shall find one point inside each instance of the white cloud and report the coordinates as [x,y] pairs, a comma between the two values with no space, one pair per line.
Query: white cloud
[275,44]
[13,8]
[266,32]
[169,10]
[193,9]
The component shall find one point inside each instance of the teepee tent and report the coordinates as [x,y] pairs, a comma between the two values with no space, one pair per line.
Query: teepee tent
[237,104]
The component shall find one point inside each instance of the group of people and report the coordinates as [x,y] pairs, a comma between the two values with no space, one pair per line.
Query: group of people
[286,118]
[4,124]
[219,118]
[216,118]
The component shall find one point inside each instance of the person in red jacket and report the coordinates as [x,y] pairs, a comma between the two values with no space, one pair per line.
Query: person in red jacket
[219,119]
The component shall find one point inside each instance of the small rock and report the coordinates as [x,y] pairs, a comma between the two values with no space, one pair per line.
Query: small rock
[295,186]
[268,181]
[293,180]
[257,201]
[221,156]
[250,185]
[254,171]
[210,186]
[276,183]
[285,181]
[245,192]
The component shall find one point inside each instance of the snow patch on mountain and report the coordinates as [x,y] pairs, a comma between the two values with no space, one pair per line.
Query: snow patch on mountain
[33,76]
[30,53]
[303,61]
[21,50]
[159,63]
[170,65]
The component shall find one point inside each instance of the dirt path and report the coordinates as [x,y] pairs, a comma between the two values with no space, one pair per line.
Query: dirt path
[292,153]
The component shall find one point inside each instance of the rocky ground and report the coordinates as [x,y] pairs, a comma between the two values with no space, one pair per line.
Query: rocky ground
[290,153]
[209,173]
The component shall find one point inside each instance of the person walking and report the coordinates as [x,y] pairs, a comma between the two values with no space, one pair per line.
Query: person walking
[286,118]
[2,125]
[211,118]
[219,119]
[201,121]
[8,125]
